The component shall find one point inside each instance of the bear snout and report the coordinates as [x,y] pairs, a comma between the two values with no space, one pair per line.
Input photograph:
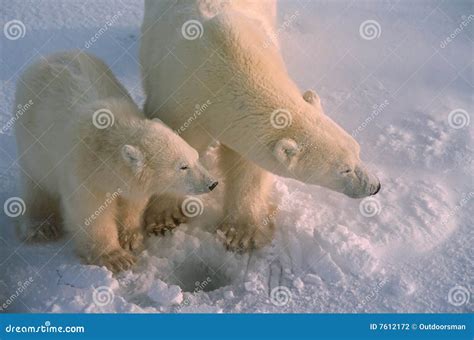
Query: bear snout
[365,184]
[377,189]
[213,185]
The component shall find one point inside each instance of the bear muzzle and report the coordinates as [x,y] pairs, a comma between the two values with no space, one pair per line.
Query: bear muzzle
[362,184]
[213,185]
[377,189]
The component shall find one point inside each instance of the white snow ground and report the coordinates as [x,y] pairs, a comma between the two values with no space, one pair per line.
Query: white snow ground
[414,255]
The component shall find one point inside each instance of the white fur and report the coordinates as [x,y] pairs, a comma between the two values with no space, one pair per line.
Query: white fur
[245,78]
[72,170]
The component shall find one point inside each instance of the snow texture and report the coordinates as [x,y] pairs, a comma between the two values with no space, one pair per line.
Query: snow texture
[408,249]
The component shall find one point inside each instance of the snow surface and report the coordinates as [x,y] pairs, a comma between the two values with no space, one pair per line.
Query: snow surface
[329,254]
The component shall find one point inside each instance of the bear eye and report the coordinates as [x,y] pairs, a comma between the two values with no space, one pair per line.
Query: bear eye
[184,167]
[345,172]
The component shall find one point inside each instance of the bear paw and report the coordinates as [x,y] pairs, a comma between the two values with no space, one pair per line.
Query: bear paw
[243,237]
[163,216]
[116,260]
[47,230]
[131,239]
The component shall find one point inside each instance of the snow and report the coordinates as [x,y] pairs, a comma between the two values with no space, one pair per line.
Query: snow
[408,249]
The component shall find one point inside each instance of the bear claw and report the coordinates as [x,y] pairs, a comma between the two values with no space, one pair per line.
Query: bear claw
[48,230]
[117,260]
[163,219]
[244,238]
[159,230]
[131,240]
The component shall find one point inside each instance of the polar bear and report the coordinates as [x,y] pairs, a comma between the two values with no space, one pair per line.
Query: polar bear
[89,157]
[226,52]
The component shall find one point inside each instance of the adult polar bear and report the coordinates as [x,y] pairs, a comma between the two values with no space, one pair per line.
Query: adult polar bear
[226,52]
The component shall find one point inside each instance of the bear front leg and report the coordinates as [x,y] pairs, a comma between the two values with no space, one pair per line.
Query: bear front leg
[163,213]
[91,220]
[41,220]
[248,214]
[130,223]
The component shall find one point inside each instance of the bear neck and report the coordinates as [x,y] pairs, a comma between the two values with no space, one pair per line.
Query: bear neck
[252,128]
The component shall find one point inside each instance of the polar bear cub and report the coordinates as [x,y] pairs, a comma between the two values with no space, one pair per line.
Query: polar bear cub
[90,160]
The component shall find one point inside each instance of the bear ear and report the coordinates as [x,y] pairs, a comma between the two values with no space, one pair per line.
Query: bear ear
[311,97]
[285,151]
[157,120]
[133,157]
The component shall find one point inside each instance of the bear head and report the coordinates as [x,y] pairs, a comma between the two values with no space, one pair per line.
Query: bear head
[271,122]
[145,155]
[165,162]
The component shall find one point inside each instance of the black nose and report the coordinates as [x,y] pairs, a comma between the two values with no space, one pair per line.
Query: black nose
[213,185]
[377,190]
